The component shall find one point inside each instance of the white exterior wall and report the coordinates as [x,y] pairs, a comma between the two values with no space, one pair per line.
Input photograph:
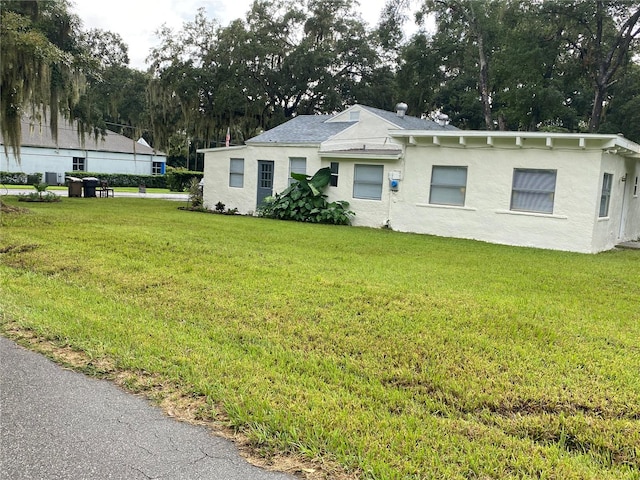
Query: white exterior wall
[631,207]
[623,221]
[41,160]
[217,165]
[574,224]
[486,214]
[370,131]
[369,213]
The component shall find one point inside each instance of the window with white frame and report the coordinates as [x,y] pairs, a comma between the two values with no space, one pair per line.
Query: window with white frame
[448,185]
[236,172]
[635,187]
[157,168]
[334,174]
[297,165]
[79,164]
[367,181]
[533,190]
[605,196]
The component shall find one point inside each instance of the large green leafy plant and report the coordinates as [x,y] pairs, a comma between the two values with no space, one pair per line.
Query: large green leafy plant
[304,201]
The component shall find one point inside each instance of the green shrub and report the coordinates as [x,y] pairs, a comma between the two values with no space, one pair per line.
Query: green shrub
[195,193]
[34,178]
[124,179]
[178,180]
[304,201]
[20,178]
[40,195]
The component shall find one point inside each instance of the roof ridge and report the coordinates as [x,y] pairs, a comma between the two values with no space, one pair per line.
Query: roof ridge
[375,109]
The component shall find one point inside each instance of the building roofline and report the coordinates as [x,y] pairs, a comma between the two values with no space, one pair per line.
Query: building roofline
[363,154]
[36,134]
[619,143]
[219,149]
[284,144]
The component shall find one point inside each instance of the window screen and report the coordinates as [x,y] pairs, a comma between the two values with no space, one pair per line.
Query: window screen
[236,172]
[334,174]
[367,181]
[448,185]
[605,197]
[297,165]
[533,190]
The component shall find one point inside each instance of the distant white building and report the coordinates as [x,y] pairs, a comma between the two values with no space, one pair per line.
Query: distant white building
[115,153]
[575,192]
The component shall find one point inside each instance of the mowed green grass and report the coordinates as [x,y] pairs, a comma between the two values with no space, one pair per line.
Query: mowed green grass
[399,356]
[7,189]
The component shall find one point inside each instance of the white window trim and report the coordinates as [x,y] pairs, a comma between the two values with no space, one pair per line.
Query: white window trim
[334,175]
[236,174]
[555,186]
[448,207]
[451,186]
[375,199]
[607,195]
[531,214]
[291,180]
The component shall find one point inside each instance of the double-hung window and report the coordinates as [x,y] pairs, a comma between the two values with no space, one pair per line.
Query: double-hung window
[448,185]
[605,197]
[533,190]
[236,172]
[297,165]
[367,181]
[335,166]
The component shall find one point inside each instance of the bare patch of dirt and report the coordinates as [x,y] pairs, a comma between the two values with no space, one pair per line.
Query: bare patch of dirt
[176,404]
[4,208]
[18,248]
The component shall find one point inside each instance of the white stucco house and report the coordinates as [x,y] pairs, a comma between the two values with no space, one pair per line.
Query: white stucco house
[574,192]
[115,153]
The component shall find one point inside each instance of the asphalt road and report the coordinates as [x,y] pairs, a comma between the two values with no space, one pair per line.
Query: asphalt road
[59,424]
[64,193]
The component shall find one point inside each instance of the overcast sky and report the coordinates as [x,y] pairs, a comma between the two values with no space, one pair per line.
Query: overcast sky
[137,20]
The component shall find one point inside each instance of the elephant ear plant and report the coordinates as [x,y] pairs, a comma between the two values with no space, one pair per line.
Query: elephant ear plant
[304,201]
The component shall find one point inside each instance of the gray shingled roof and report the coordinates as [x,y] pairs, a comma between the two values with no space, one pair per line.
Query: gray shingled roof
[302,129]
[408,122]
[314,129]
[68,138]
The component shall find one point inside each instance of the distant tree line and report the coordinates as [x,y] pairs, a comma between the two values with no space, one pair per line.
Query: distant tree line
[555,65]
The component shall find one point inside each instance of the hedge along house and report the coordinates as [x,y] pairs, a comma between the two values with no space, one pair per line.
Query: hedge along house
[115,153]
[574,192]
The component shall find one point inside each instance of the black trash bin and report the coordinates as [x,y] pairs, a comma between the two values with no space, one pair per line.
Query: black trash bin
[90,184]
[75,186]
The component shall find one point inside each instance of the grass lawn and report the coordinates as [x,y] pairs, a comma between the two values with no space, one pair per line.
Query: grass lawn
[395,356]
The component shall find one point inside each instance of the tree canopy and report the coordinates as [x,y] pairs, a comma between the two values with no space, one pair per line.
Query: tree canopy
[524,65]
[280,61]
[41,64]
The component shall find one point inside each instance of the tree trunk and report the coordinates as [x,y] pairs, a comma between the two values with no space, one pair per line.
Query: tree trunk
[483,80]
[608,62]
[598,107]
[484,85]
